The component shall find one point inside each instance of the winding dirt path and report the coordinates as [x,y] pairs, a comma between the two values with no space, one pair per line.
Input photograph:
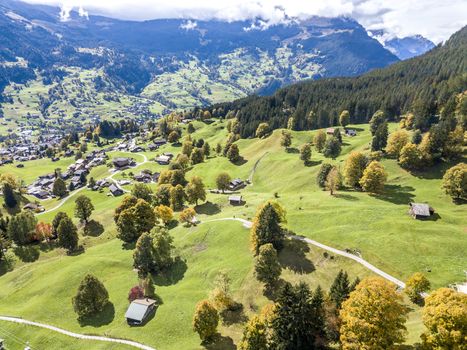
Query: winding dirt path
[76,335]
[361,261]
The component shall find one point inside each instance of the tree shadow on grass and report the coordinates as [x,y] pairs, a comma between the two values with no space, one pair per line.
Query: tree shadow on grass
[219,342]
[437,171]
[293,257]
[93,228]
[171,275]
[345,196]
[311,163]
[234,316]
[396,194]
[103,318]
[208,208]
[27,253]
[240,162]
[292,150]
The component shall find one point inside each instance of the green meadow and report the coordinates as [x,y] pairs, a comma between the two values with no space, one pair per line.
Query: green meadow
[41,286]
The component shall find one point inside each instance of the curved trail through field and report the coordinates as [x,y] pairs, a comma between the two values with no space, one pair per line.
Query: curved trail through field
[110,177]
[252,172]
[76,335]
[361,261]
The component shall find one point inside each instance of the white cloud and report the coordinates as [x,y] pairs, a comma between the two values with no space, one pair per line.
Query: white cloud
[434,19]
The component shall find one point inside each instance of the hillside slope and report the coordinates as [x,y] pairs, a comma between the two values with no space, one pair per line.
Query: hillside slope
[432,79]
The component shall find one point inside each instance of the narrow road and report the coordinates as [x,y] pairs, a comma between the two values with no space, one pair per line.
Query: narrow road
[64,200]
[361,261]
[76,335]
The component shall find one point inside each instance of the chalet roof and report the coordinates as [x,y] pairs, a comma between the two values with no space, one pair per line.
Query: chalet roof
[420,209]
[138,309]
[235,198]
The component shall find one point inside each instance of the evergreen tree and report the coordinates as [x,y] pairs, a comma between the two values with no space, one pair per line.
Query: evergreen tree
[21,227]
[332,147]
[323,174]
[380,137]
[376,121]
[56,221]
[91,297]
[143,259]
[267,227]
[9,195]
[267,267]
[206,150]
[67,234]
[298,320]
[340,289]
[59,188]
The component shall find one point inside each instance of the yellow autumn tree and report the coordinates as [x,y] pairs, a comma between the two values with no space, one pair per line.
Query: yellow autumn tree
[373,316]
[445,317]
[396,141]
[374,177]
[164,213]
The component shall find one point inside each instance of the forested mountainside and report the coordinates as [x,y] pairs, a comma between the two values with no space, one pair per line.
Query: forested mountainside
[210,61]
[422,85]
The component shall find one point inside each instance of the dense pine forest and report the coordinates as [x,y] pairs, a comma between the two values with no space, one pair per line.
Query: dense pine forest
[422,85]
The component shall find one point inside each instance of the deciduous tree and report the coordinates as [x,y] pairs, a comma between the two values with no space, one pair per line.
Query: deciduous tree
[187,216]
[415,285]
[444,316]
[374,177]
[254,335]
[177,197]
[195,190]
[333,181]
[286,139]
[319,140]
[353,168]
[142,191]
[164,213]
[67,234]
[361,329]
[410,157]
[262,130]
[21,227]
[344,118]
[233,154]
[205,320]
[396,141]
[305,153]
[455,181]
[91,297]
[83,208]
[223,181]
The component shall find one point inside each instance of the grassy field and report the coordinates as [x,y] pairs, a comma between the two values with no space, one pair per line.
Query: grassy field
[377,226]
